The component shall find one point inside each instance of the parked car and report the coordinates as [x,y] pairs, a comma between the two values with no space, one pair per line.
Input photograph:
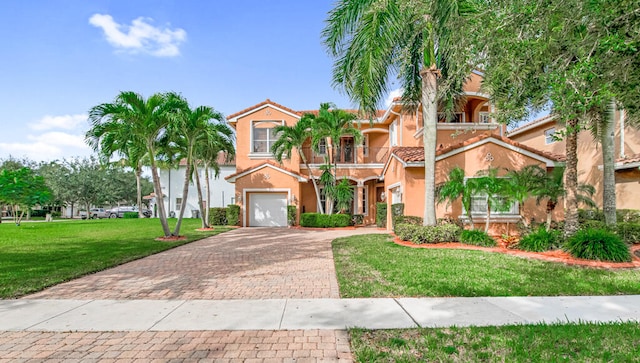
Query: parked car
[118,212]
[97,213]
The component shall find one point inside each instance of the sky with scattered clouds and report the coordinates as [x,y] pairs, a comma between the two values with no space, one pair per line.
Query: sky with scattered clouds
[62,57]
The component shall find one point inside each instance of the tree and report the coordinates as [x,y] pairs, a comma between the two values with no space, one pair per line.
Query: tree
[454,188]
[332,124]
[577,55]
[521,184]
[419,41]
[494,189]
[22,189]
[551,187]
[144,121]
[294,137]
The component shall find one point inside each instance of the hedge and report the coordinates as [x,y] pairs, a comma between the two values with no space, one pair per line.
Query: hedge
[406,220]
[218,216]
[130,215]
[629,232]
[419,234]
[317,220]
[381,215]
[233,215]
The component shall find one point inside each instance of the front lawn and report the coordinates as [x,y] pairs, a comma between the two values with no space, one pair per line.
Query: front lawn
[40,254]
[374,266]
[617,342]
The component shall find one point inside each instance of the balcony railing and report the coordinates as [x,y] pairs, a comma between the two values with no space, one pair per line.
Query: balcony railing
[358,155]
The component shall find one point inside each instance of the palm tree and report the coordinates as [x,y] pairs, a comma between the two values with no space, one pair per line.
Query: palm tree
[332,124]
[419,41]
[495,189]
[141,122]
[454,188]
[521,183]
[111,138]
[551,187]
[216,138]
[294,137]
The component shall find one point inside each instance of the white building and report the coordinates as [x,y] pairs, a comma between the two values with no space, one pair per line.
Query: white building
[221,192]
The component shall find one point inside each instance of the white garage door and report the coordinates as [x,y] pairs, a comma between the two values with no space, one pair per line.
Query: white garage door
[267,209]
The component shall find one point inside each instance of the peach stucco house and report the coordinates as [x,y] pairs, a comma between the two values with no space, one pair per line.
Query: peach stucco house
[538,134]
[388,166]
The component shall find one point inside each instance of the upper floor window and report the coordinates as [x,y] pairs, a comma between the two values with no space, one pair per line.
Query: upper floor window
[549,135]
[322,146]
[264,135]
[457,117]
[484,118]
[393,134]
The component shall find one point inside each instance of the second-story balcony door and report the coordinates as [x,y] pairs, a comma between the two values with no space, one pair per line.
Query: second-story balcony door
[346,154]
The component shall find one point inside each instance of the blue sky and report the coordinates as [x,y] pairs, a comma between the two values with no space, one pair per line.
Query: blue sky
[62,57]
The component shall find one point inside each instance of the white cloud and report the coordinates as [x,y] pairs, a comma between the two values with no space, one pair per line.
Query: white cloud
[393,94]
[140,36]
[59,139]
[37,151]
[66,122]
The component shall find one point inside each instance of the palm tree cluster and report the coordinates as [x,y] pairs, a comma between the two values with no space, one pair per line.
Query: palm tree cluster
[500,192]
[161,130]
[329,125]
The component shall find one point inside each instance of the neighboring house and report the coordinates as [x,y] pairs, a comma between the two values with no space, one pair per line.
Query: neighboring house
[539,134]
[221,191]
[387,166]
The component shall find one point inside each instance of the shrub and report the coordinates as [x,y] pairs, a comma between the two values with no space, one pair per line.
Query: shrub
[406,220]
[628,215]
[130,215]
[428,234]
[598,244]
[38,213]
[316,220]
[540,240]
[477,237]
[629,232]
[357,219]
[381,215]
[292,212]
[443,221]
[397,209]
[593,224]
[232,215]
[218,216]
[590,215]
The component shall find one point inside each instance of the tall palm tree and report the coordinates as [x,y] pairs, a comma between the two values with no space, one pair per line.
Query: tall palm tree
[373,40]
[142,122]
[294,137]
[454,188]
[189,128]
[217,138]
[332,124]
[109,139]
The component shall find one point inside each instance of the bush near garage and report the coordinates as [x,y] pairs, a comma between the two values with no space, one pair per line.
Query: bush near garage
[218,216]
[232,214]
[317,220]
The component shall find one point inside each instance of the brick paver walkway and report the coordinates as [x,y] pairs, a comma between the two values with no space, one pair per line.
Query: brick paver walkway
[255,263]
[248,263]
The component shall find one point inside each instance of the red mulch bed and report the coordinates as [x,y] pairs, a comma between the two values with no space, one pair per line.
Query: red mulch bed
[552,256]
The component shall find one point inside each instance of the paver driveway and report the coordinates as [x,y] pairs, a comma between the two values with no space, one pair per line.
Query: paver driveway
[247,263]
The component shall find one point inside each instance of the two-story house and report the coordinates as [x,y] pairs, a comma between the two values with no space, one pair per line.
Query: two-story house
[388,165]
[539,134]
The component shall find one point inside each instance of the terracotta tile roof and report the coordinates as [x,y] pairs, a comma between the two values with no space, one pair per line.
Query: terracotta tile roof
[269,162]
[629,159]
[265,102]
[416,154]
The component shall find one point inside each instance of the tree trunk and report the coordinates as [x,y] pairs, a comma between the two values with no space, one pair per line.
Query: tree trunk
[199,189]
[571,180]
[206,177]
[429,120]
[313,180]
[607,133]
[486,223]
[159,196]
[185,194]
[139,190]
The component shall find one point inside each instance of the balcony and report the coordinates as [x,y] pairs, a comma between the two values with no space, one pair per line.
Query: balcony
[358,155]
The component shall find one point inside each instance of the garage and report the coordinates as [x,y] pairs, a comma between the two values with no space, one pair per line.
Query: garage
[267,209]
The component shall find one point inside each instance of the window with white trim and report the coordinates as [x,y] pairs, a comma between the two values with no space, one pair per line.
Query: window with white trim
[549,136]
[322,146]
[178,203]
[458,117]
[393,134]
[263,136]
[479,206]
[484,118]
[364,200]
[365,145]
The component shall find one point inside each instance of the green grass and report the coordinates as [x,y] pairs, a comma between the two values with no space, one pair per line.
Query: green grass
[37,255]
[617,342]
[374,266]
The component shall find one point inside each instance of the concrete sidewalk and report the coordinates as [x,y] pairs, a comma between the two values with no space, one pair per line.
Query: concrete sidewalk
[304,314]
